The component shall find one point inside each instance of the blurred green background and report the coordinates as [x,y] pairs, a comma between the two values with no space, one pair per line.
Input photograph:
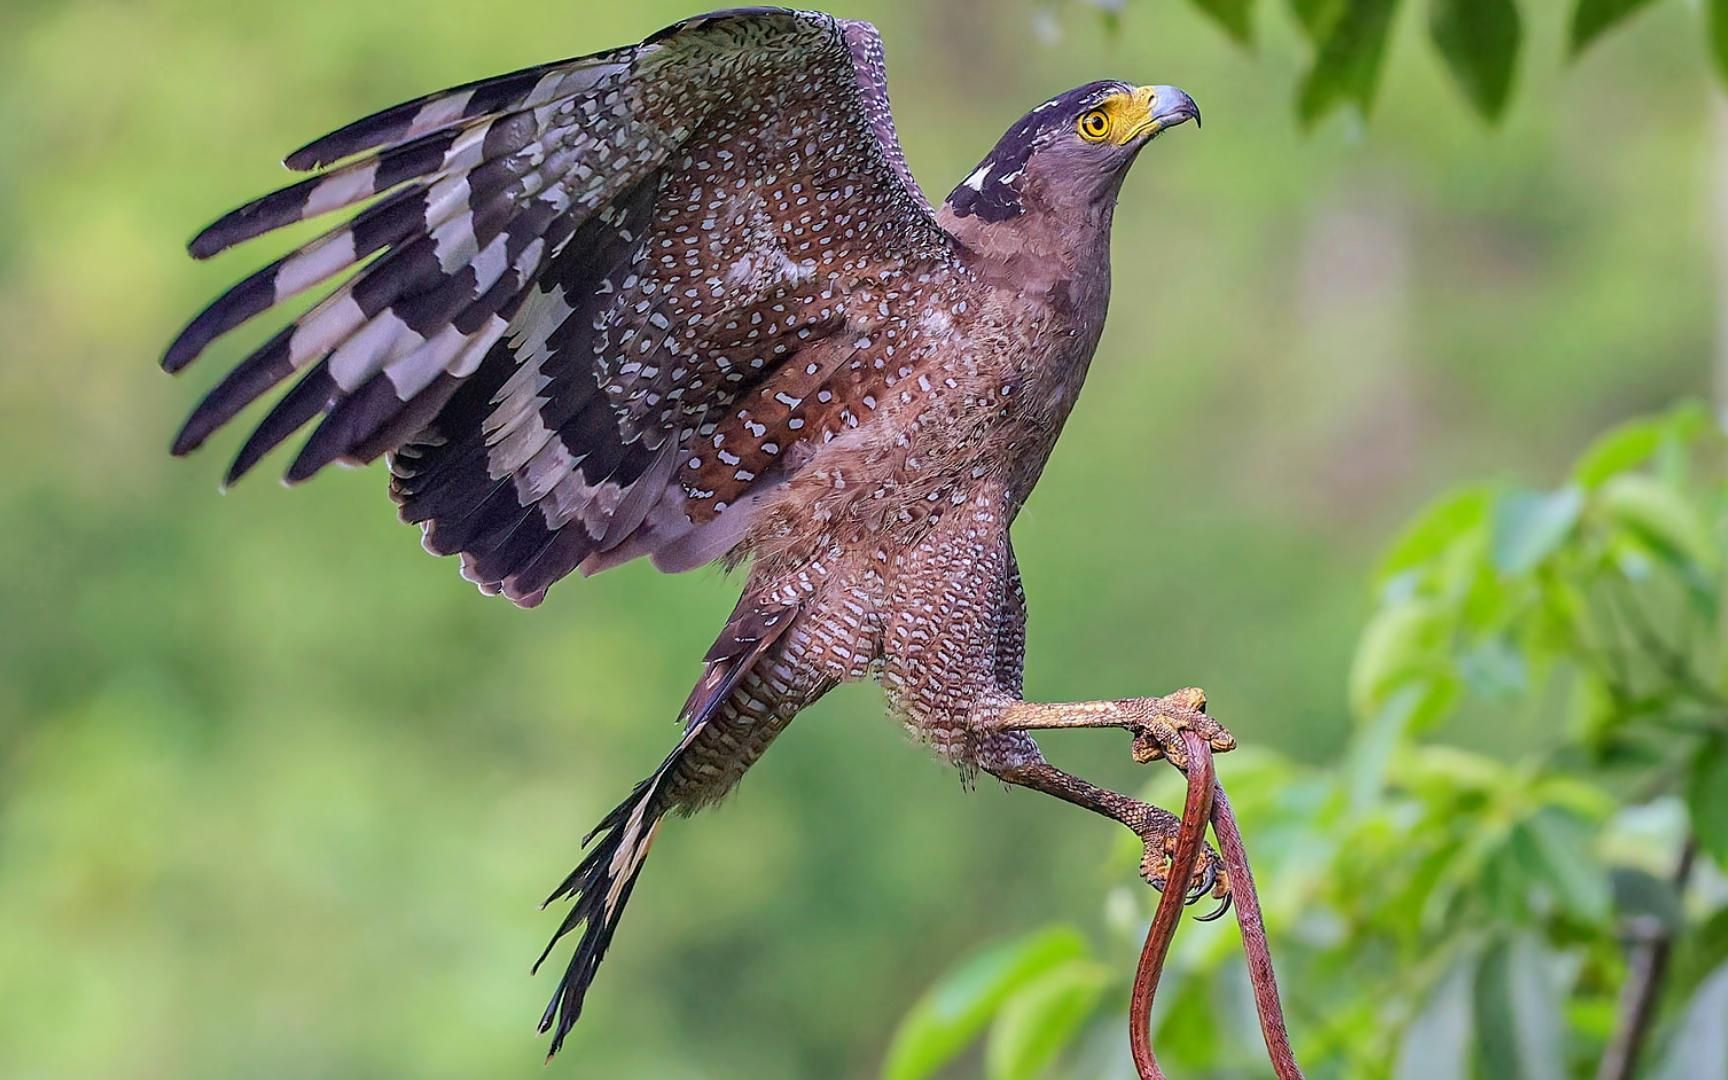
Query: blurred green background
[278,793]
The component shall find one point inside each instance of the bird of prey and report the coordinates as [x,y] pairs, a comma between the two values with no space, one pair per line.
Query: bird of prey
[683,300]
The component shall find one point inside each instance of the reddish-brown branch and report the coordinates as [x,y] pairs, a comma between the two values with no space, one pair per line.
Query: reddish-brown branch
[1254,944]
[1206,799]
[1194,814]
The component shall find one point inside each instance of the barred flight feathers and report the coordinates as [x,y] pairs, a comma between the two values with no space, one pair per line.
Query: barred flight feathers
[595,305]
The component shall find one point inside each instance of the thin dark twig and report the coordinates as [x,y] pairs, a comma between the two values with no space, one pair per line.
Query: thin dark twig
[1205,799]
[1195,812]
[1649,970]
[1254,944]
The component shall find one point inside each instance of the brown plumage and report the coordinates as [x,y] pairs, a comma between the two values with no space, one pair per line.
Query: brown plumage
[683,300]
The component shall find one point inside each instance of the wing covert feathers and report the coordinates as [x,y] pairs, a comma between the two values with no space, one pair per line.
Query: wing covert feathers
[565,288]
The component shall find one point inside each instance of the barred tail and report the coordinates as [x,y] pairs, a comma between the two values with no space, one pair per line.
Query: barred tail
[599,889]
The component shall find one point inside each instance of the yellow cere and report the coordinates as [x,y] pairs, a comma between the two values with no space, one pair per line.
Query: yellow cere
[1119,117]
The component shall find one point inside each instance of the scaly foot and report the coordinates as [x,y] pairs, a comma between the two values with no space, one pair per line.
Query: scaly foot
[1210,878]
[1160,722]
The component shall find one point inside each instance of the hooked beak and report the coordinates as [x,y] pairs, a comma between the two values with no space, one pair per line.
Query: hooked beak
[1166,106]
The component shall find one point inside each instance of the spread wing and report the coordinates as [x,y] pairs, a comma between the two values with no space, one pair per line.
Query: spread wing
[601,305]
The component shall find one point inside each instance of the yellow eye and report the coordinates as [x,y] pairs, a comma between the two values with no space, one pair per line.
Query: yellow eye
[1094,126]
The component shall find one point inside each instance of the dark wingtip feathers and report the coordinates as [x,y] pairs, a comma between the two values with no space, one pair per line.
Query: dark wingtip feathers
[307,158]
[207,243]
[185,441]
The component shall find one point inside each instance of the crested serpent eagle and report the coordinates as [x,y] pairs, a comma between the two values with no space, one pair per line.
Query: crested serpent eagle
[683,300]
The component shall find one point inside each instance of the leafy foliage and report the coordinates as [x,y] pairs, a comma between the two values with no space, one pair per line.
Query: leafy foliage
[1478,40]
[1542,728]
[1592,17]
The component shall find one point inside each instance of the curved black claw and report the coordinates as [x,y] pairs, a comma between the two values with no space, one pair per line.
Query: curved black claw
[1208,878]
[1218,913]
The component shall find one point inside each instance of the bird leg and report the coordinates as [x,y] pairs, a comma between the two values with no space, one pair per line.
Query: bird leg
[1156,723]
[1020,764]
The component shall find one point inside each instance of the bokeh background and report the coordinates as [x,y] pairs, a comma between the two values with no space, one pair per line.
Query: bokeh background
[278,793]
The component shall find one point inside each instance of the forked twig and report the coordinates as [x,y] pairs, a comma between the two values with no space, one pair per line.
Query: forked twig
[1206,799]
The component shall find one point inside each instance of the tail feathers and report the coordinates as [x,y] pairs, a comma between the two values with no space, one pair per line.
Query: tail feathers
[599,888]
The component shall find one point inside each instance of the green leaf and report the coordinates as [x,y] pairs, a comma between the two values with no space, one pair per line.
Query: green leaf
[1479,41]
[1436,1045]
[1591,17]
[1558,851]
[1700,952]
[1639,894]
[1317,17]
[1699,1046]
[1347,60]
[1707,797]
[1716,28]
[1436,529]
[941,1024]
[1517,1015]
[1042,1018]
[1622,449]
[1494,669]
[1529,526]
[1411,708]
[1661,518]
[1235,16]
[1398,643]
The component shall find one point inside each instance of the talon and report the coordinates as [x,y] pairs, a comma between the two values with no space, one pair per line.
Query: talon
[1217,913]
[1160,854]
[1208,878]
[1159,733]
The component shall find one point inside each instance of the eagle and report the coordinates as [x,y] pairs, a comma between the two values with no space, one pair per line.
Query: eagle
[684,301]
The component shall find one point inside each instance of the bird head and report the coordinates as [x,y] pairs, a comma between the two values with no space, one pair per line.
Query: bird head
[1072,151]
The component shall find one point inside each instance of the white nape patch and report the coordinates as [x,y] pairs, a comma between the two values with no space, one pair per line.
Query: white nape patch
[977,179]
[314,264]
